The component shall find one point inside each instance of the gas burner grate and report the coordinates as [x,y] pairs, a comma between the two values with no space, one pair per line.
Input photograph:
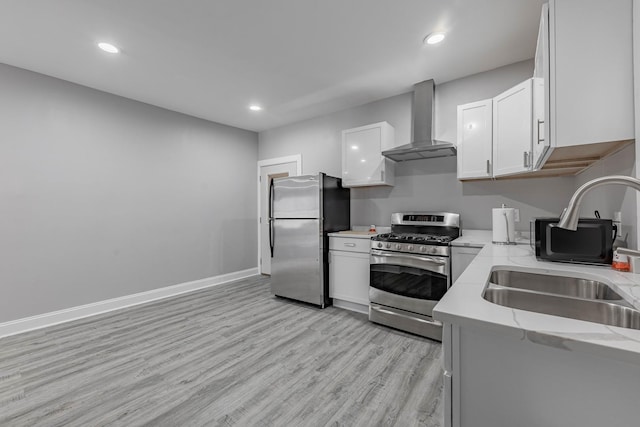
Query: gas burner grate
[413,238]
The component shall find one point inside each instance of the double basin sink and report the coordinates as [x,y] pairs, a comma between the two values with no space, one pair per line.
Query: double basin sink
[564,296]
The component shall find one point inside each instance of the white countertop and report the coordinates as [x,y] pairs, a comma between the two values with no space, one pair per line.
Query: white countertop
[360,232]
[353,234]
[479,238]
[463,303]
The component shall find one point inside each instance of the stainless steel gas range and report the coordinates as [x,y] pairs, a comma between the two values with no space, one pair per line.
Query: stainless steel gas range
[411,271]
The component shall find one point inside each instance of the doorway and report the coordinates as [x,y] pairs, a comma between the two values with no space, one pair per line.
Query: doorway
[267,171]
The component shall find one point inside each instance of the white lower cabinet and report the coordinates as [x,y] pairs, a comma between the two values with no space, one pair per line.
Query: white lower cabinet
[528,380]
[461,257]
[349,272]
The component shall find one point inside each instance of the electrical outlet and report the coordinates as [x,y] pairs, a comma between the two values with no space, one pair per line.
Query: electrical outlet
[516,215]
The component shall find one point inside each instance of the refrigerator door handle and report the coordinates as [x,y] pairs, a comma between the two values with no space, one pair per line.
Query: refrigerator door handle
[270,216]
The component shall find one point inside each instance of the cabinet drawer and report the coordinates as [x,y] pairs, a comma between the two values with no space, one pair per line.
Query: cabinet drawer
[467,250]
[349,244]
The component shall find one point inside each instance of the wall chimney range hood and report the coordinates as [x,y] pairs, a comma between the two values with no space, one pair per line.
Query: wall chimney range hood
[423,145]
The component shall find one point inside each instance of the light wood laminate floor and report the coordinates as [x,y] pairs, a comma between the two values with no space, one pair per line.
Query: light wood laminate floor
[231,355]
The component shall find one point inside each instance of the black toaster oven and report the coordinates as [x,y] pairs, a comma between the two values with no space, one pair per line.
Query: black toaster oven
[591,243]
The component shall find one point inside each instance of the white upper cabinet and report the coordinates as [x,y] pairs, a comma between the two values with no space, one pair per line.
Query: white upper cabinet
[475,139]
[589,89]
[578,107]
[501,136]
[541,60]
[512,130]
[541,142]
[362,161]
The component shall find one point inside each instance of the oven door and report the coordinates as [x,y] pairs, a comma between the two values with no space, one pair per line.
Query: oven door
[409,282]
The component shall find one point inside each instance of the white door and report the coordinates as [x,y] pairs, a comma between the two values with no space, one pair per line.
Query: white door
[267,173]
[475,139]
[512,130]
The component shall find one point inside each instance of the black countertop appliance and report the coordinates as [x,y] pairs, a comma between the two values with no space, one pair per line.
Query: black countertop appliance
[591,243]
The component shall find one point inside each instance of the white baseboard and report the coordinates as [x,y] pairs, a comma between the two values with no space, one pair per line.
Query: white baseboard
[55,317]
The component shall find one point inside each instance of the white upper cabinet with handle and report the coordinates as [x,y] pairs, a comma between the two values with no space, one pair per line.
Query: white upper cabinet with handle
[585,57]
[540,144]
[499,136]
[513,130]
[578,107]
[362,160]
[475,139]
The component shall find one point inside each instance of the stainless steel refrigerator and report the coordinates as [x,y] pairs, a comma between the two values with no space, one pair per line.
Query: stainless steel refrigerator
[302,210]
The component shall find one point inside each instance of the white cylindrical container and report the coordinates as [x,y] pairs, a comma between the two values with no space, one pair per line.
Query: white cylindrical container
[504,231]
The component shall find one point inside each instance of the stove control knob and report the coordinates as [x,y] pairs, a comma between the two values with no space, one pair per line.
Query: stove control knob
[379,245]
[410,247]
[398,246]
[434,250]
[423,249]
[388,245]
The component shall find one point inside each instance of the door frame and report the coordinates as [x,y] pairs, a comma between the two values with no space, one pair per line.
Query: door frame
[297,158]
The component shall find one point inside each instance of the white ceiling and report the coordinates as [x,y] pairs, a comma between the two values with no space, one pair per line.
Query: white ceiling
[297,58]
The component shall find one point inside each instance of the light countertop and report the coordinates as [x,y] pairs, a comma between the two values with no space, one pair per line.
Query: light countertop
[353,234]
[360,232]
[479,238]
[463,303]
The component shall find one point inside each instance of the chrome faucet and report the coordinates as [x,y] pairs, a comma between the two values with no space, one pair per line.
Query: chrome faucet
[569,217]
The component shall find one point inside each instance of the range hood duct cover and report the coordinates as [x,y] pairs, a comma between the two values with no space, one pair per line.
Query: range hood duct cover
[423,145]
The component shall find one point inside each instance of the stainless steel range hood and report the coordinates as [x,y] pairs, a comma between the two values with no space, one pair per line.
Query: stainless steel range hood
[423,145]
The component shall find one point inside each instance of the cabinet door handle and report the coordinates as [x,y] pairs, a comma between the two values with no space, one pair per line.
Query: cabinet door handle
[382,176]
[350,245]
[540,139]
[488,167]
[526,159]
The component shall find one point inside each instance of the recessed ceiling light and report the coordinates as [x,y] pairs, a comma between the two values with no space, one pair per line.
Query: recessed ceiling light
[433,38]
[108,47]
[255,107]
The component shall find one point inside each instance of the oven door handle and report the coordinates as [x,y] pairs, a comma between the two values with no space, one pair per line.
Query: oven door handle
[438,261]
[437,265]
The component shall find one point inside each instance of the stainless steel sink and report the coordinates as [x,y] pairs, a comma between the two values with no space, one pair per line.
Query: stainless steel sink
[564,296]
[606,313]
[552,284]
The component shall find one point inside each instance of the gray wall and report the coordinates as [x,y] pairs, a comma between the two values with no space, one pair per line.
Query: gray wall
[422,185]
[474,88]
[611,198]
[102,197]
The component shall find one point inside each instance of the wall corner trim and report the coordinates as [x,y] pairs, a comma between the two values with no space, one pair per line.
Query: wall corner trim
[39,321]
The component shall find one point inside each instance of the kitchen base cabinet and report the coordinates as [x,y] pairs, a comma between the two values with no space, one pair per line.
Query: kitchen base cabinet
[461,257]
[512,378]
[349,273]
